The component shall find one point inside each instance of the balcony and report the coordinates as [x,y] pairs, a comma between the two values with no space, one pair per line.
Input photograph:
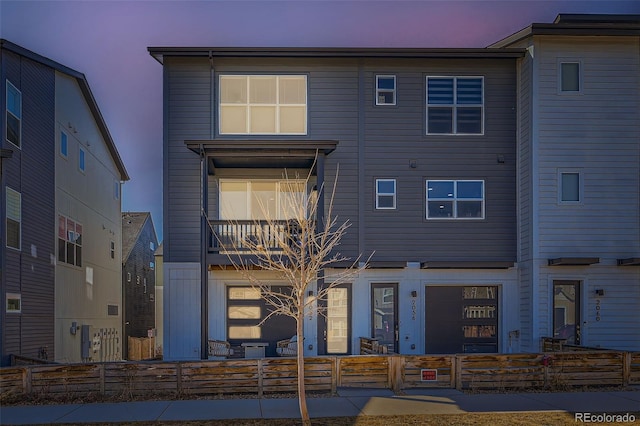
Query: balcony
[240,236]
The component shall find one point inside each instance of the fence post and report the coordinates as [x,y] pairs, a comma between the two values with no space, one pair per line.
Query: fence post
[101,370]
[458,359]
[626,368]
[179,378]
[394,372]
[26,380]
[260,374]
[334,375]
[453,371]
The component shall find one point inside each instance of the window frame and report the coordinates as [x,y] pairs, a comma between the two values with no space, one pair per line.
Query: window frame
[561,200]
[392,91]
[10,217]
[455,105]
[455,199]
[13,296]
[11,86]
[82,160]
[248,104]
[64,137]
[386,194]
[77,244]
[560,63]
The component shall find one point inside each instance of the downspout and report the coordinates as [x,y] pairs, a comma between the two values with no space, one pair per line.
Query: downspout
[204,281]
[320,345]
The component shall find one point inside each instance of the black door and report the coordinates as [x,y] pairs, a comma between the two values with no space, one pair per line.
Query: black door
[384,315]
[566,311]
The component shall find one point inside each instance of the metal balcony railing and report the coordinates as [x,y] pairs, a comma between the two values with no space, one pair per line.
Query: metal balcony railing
[241,235]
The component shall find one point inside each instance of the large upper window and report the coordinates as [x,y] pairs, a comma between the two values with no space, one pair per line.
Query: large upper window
[14,218]
[69,241]
[260,199]
[455,199]
[14,115]
[455,105]
[263,104]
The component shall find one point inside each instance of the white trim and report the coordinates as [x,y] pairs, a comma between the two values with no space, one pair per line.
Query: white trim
[454,200]
[392,91]
[386,194]
[14,296]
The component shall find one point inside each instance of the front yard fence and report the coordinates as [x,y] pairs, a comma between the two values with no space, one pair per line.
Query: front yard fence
[549,370]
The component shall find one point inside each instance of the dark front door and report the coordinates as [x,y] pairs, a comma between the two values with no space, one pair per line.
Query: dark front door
[246,309]
[334,326]
[566,311]
[384,315]
[461,319]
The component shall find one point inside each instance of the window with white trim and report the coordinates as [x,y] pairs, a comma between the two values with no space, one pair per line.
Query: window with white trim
[570,184]
[13,117]
[263,104]
[570,81]
[13,218]
[455,105]
[14,303]
[385,194]
[69,241]
[455,199]
[385,89]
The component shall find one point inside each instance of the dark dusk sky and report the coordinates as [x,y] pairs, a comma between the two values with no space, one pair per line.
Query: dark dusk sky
[108,40]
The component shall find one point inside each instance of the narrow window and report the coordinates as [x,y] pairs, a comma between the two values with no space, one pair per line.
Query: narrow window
[14,115]
[385,90]
[152,246]
[14,303]
[144,285]
[385,193]
[570,187]
[64,148]
[112,249]
[81,160]
[128,277]
[69,241]
[14,218]
[116,190]
[152,265]
[112,310]
[570,76]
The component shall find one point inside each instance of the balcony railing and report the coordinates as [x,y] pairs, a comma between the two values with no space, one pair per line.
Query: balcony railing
[243,235]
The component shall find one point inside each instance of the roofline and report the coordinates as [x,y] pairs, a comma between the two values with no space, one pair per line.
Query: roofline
[86,91]
[577,25]
[147,217]
[158,53]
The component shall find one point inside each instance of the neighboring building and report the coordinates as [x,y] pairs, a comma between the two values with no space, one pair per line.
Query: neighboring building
[159,299]
[579,180]
[425,140]
[139,243]
[60,224]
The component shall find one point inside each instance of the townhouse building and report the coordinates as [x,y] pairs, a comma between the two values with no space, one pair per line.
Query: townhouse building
[139,244]
[579,180]
[484,188]
[425,144]
[61,226]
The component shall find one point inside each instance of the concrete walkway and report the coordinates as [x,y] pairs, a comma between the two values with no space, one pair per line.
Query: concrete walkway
[349,402]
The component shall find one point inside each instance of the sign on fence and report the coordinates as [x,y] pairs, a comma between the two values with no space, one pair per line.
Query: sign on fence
[429,375]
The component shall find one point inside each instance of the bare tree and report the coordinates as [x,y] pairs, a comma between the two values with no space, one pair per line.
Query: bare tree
[297,250]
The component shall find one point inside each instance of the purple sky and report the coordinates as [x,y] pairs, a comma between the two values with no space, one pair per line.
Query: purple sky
[107,41]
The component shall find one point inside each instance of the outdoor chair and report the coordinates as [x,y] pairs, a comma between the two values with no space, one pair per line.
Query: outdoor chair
[287,347]
[219,348]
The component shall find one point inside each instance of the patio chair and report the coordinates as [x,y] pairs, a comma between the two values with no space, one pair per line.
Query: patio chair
[220,348]
[287,347]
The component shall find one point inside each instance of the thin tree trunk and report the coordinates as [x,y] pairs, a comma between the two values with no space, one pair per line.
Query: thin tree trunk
[302,395]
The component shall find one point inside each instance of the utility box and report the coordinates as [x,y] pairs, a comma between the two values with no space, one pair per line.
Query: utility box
[86,342]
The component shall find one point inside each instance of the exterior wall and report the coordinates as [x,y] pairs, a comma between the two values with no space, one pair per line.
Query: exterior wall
[84,293]
[595,133]
[181,311]
[30,171]
[139,291]
[411,329]
[159,304]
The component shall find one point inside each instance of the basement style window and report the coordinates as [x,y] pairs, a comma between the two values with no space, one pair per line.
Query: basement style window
[455,105]
[14,115]
[14,218]
[385,89]
[455,199]
[263,104]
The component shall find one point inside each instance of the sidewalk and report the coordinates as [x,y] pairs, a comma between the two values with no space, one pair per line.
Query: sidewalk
[349,402]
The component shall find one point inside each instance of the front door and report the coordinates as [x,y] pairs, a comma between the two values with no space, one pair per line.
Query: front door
[566,311]
[335,325]
[384,315]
